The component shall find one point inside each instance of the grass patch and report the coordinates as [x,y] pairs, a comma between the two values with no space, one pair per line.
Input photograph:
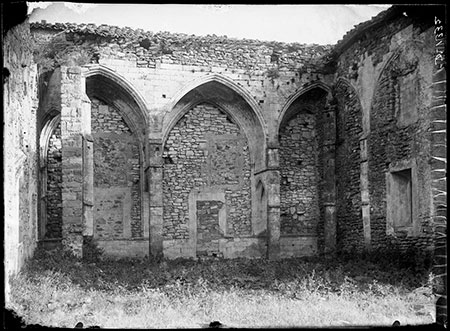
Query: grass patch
[56,289]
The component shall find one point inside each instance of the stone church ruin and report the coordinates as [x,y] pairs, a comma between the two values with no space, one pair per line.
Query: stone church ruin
[170,145]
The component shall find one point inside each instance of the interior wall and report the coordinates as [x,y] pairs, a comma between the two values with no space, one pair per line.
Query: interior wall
[206,149]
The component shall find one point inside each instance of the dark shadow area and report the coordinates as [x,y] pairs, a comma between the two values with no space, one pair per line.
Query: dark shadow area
[13,13]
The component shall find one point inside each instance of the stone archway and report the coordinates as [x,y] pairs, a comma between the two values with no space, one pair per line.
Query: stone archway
[306,162]
[212,140]
[50,207]
[235,99]
[120,194]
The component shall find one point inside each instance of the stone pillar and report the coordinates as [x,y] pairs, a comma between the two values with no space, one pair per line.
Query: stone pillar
[154,173]
[273,203]
[75,115]
[88,185]
[365,197]
[329,180]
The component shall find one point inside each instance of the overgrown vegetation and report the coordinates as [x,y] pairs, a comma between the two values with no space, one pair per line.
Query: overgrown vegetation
[58,51]
[57,289]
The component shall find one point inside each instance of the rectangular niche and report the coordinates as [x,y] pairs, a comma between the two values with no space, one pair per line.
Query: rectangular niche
[207,220]
[401,198]
[406,108]
[208,228]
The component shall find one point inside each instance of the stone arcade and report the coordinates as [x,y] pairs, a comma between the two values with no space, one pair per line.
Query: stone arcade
[170,145]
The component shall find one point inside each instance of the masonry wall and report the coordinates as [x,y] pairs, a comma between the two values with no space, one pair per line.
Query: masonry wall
[390,69]
[19,150]
[349,232]
[54,178]
[302,183]
[372,109]
[164,67]
[299,188]
[206,149]
[117,194]
[399,134]
[160,65]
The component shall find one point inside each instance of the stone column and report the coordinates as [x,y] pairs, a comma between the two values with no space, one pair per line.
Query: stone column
[365,197]
[88,185]
[75,115]
[154,173]
[329,182]
[273,203]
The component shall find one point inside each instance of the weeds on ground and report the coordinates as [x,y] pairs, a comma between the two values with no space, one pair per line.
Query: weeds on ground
[58,289]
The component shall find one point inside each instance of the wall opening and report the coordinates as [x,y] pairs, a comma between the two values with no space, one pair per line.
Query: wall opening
[400,199]
[208,227]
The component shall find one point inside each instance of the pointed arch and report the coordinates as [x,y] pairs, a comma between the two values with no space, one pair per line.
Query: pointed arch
[231,98]
[394,56]
[228,82]
[50,123]
[298,94]
[300,128]
[98,69]
[136,112]
[123,99]
[344,81]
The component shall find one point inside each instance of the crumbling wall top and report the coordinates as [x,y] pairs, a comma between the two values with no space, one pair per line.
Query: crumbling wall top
[177,45]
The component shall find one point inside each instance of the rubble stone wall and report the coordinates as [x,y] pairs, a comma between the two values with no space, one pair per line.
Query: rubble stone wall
[400,134]
[20,157]
[206,149]
[53,190]
[299,148]
[160,65]
[117,212]
[390,67]
[348,170]
[381,126]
